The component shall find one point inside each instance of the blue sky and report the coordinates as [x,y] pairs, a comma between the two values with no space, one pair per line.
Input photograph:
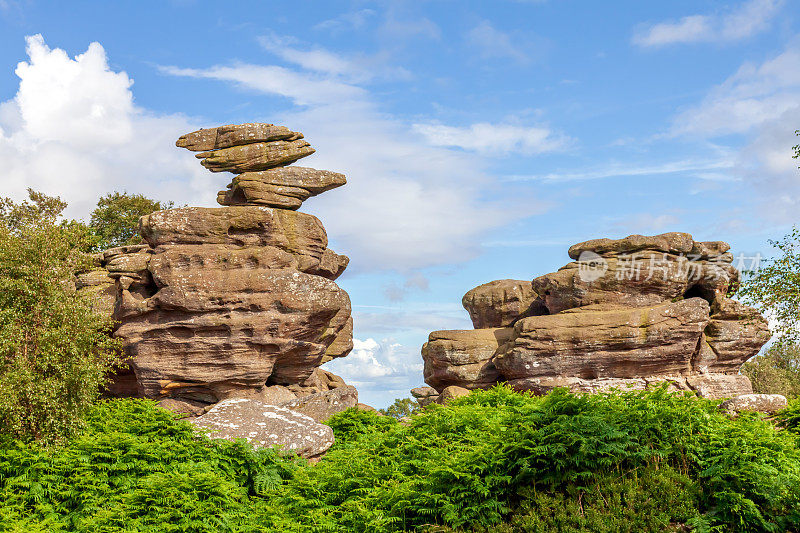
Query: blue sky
[480,139]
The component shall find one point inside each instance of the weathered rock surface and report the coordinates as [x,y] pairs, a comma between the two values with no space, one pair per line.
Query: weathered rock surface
[594,343]
[233,302]
[265,426]
[627,313]
[463,357]
[764,403]
[500,303]
[233,135]
[425,395]
[641,280]
[283,187]
[451,393]
[255,156]
[323,405]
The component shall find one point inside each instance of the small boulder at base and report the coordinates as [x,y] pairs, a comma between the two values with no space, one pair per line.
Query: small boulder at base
[264,426]
[452,392]
[424,395]
[323,405]
[763,403]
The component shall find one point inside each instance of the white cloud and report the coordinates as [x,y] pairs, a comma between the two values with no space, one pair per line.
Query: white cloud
[746,20]
[73,130]
[492,42]
[753,96]
[760,105]
[346,21]
[380,370]
[407,204]
[360,68]
[696,168]
[494,139]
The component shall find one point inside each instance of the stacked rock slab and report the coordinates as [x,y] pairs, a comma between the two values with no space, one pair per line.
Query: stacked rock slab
[626,313]
[227,302]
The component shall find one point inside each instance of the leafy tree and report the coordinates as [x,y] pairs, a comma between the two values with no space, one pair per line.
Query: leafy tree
[54,350]
[402,407]
[777,371]
[115,220]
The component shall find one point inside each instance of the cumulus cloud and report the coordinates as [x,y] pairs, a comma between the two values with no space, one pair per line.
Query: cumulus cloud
[407,205]
[744,21]
[73,130]
[494,139]
[380,370]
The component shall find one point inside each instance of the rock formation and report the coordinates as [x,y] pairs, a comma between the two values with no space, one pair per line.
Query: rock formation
[229,302]
[625,313]
[265,426]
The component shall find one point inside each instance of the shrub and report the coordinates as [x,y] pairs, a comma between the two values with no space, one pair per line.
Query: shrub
[777,371]
[54,350]
[491,461]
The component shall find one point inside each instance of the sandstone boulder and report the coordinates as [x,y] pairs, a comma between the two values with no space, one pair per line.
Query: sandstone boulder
[451,393]
[265,426]
[425,395]
[255,156]
[283,187]
[645,279]
[323,405]
[298,234]
[500,303]
[233,135]
[593,343]
[671,243]
[463,357]
[763,403]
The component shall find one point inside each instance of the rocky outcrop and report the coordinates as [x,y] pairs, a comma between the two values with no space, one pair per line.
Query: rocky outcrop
[234,301]
[627,313]
[265,426]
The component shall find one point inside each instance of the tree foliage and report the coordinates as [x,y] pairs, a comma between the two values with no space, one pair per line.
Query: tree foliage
[774,287]
[115,220]
[777,371]
[54,350]
[402,407]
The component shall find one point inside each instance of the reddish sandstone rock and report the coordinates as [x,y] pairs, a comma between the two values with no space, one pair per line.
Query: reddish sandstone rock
[500,303]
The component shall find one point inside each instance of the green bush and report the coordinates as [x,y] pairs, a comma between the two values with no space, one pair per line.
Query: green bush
[115,220]
[777,371]
[54,349]
[492,461]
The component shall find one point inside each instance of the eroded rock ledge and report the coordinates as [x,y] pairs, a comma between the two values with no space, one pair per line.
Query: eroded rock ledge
[626,313]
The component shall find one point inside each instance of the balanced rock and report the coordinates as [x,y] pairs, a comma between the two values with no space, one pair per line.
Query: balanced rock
[627,313]
[283,187]
[242,148]
[234,135]
[235,302]
[265,426]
